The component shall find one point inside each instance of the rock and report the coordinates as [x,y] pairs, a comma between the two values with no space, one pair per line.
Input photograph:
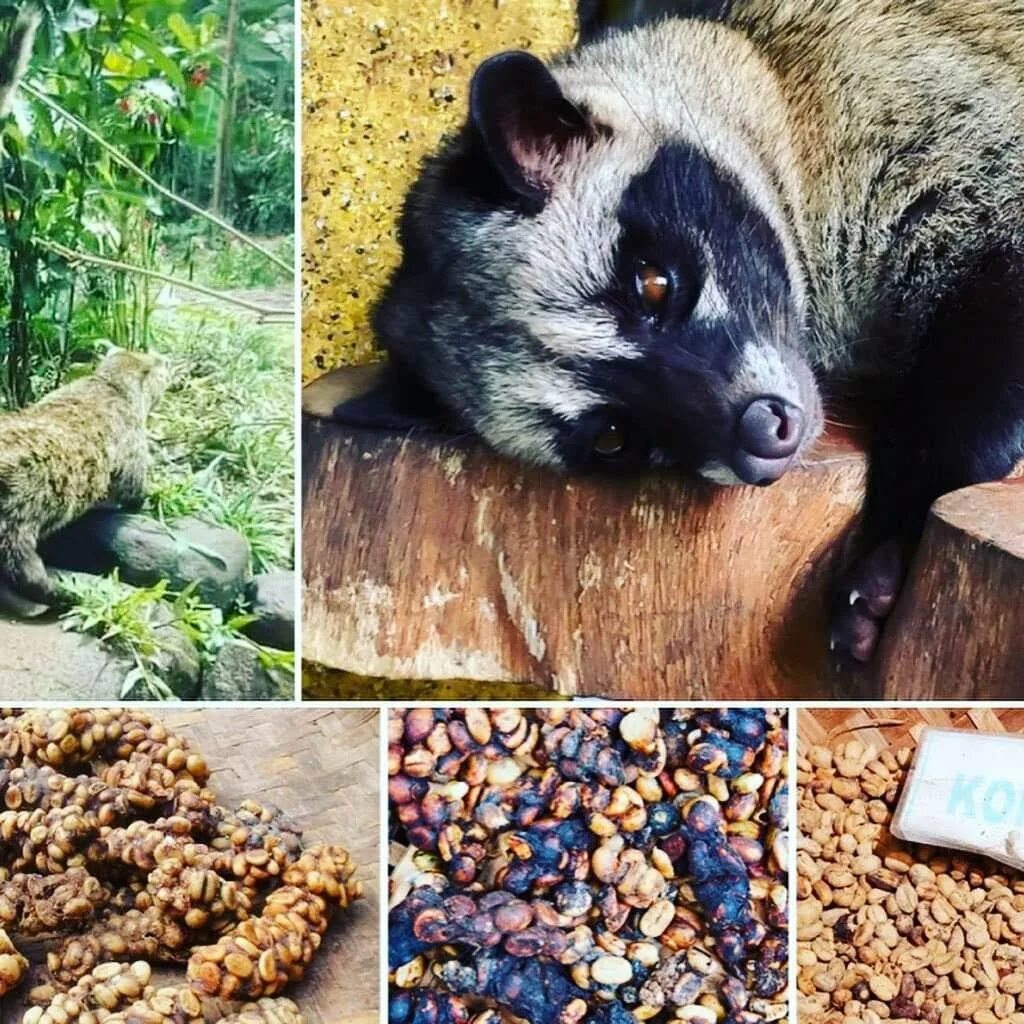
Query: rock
[238,674]
[185,667]
[272,596]
[40,660]
[145,551]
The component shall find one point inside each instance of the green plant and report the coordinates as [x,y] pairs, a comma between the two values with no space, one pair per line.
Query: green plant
[130,620]
[223,436]
[141,78]
[209,630]
[223,262]
[127,619]
[172,497]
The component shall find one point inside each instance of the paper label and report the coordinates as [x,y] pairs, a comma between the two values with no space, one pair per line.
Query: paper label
[966,791]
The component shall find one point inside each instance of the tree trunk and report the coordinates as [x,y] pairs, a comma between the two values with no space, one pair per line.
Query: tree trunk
[958,629]
[225,119]
[431,558]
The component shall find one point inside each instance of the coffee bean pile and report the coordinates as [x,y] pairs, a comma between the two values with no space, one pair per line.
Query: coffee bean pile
[115,853]
[889,930]
[602,864]
[115,993]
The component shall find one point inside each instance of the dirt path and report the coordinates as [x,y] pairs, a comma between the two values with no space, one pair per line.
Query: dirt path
[280,297]
[40,661]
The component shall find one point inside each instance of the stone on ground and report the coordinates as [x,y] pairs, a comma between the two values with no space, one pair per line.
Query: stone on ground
[272,600]
[145,551]
[238,674]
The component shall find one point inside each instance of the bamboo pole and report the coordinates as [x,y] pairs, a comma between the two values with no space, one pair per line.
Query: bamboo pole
[225,116]
[74,256]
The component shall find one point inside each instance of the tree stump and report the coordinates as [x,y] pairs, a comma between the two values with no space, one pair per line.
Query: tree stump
[432,558]
[958,629]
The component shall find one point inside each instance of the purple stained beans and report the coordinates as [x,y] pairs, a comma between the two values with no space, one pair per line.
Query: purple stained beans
[608,865]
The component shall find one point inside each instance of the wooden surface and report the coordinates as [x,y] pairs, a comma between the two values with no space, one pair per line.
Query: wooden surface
[897,727]
[322,767]
[958,630]
[427,558]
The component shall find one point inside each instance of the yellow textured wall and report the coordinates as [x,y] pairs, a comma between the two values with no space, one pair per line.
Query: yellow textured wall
[382,81]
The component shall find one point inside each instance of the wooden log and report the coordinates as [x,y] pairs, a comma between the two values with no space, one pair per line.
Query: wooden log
[958,630]
[430,558]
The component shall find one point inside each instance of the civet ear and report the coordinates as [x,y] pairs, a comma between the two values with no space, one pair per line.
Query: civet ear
[526,123]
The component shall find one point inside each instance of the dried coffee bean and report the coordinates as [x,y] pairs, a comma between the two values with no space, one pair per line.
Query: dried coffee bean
[886,931]
[12,965]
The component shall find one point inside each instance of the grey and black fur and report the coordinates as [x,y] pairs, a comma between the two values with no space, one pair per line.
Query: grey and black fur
[832,192]
[82,446]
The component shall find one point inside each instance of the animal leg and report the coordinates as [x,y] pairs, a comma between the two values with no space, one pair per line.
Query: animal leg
[23,570]
[959,421]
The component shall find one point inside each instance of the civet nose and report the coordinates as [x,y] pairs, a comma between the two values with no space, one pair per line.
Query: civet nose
[768,434]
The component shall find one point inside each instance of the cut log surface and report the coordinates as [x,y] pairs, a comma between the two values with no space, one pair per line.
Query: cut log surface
[958,629]
[427,558]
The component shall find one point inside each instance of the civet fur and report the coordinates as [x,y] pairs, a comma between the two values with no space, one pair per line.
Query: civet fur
[833,191]
[83,445]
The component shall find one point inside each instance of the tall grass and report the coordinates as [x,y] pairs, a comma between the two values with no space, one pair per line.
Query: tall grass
[189,250]
[223,437]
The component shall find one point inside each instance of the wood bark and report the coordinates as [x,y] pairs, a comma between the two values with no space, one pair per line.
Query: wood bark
[958,629]
[428,558]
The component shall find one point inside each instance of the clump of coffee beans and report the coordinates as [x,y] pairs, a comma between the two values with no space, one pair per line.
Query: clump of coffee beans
[114,854]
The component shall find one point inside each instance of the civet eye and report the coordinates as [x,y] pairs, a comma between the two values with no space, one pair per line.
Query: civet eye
[610,440]
[652,285]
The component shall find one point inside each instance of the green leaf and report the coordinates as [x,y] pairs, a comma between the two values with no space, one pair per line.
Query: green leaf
[117,63]
[158,55]
[254,51]
[208,25]
[182,31]
[254,11]
[135,676]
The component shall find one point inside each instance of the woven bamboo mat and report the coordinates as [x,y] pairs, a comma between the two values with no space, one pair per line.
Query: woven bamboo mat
[898,727]
[322,767]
